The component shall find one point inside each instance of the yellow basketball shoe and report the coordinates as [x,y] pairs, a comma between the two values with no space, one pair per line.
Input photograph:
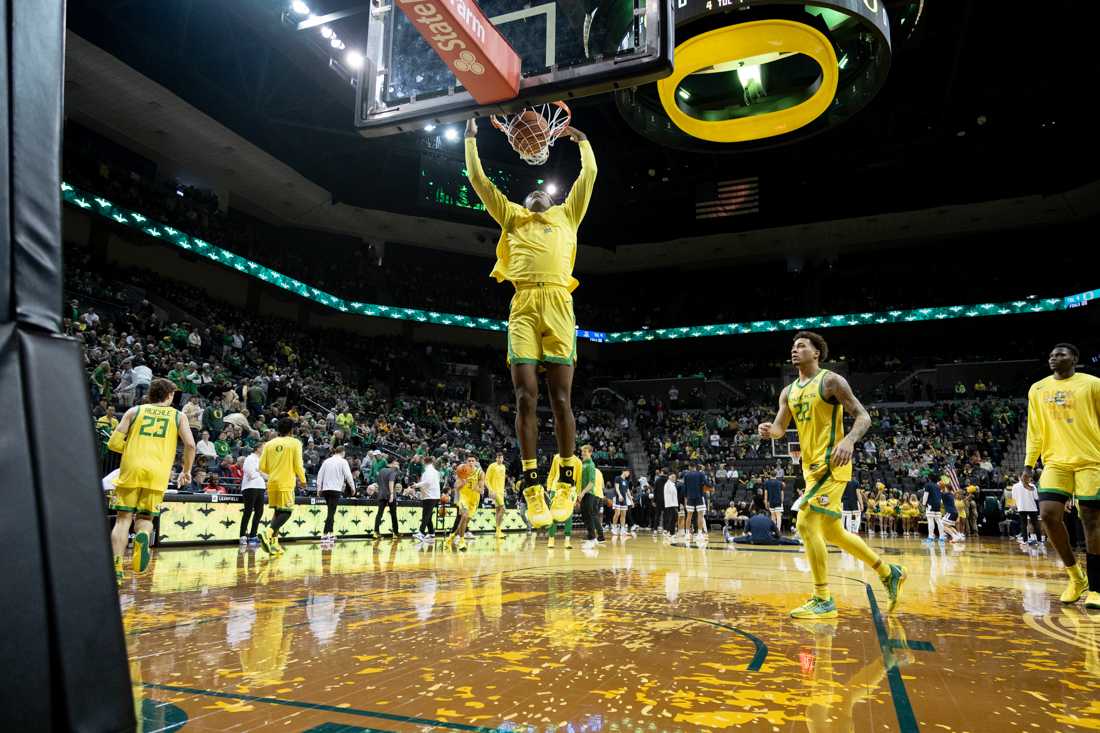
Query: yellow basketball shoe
[561,508]
[538,514]
[1077,587]
[816,608]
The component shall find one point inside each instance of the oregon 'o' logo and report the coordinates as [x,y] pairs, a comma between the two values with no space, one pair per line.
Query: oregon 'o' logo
[466,61]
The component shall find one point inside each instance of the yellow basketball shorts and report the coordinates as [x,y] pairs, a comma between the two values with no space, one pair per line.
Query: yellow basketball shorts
[468,501]
[824,496]
[1080,483]
[281,499]
[137,500]
[541,325]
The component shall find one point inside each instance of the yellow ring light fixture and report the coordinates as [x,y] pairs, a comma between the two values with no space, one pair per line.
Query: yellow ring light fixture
[752,74]
[734,44]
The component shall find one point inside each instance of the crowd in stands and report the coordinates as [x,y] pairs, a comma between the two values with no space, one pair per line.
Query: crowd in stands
[402,275]
[906,446]
[237,374]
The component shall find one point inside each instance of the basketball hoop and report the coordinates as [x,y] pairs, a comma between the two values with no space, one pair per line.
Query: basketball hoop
[533,130]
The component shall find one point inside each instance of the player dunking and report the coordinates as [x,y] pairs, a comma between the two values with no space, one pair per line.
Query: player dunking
[536,252]
[1063,428]
[146,437]
[816,400]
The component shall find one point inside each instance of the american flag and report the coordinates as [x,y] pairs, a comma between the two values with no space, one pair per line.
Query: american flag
[728,198]
[954,477]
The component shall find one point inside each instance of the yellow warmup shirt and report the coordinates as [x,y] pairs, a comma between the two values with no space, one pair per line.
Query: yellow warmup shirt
[281,460]
[1063,422]
[820,425]
[535,247]
[494,477]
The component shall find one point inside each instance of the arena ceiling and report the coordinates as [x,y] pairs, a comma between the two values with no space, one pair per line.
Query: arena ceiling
[982,105]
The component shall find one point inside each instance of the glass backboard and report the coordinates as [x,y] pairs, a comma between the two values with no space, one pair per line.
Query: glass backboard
[568,48]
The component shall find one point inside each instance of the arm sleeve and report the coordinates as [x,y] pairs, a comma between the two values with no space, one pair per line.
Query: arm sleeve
[1034,428]
[496,203]
[299,469]
[117,442]
[576,203]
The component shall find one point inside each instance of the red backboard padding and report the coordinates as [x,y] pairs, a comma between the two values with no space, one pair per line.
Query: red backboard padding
[469,44]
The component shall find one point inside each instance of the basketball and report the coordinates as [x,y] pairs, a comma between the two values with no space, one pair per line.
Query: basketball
[463,472]
[445,499]
[529,133]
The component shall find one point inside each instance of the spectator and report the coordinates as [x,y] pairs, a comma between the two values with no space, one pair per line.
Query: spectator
[206,448]
[212,485]
[193,412]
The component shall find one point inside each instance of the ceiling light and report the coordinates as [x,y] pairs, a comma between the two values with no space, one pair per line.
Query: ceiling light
[354,59]
[326,32]
[337,44]
[551,188]
[429,127]
[451,134]
[299,7]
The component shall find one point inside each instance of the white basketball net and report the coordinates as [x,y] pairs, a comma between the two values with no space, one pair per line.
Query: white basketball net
[557,118]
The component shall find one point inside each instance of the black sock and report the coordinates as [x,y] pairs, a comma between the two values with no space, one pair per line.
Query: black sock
[565,476]
[1093,569]
[530,477]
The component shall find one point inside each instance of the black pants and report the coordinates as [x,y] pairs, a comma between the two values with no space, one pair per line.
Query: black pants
[427,513]
[253,509]
[657,517]
[591,507]
[332,498]
[1031,518]
[670,519]
[382,504]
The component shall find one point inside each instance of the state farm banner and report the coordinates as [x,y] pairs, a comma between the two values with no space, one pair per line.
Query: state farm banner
[469,44]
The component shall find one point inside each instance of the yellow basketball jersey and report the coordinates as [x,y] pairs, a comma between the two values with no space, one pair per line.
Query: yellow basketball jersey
[820,425]
[150,448]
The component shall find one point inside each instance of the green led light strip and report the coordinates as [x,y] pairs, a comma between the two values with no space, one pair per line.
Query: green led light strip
[108,210]
[165,233]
